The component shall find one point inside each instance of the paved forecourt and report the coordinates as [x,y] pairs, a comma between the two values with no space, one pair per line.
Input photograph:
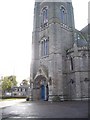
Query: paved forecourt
[26,110]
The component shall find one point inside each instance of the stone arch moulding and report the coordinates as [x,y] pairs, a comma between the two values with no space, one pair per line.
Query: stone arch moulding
[42,73]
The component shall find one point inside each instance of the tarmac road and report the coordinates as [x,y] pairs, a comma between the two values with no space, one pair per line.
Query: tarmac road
[42,109]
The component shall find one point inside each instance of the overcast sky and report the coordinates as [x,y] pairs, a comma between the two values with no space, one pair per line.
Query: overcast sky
[16,25]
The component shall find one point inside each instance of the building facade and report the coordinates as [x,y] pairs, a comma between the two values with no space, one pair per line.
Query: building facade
[20,91]
[60,58]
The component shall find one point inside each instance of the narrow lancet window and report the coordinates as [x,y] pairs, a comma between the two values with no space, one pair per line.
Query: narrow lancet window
[71,59]
[63,14]
[44,47]
[44,16]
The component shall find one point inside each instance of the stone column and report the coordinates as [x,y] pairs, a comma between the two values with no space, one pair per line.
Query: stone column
[77,73]
[78,86]
[45,91]
[59,75]
[50,93]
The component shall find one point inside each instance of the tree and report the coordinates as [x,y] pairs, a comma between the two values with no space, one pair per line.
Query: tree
[8,82]
[13,79]
[24,83]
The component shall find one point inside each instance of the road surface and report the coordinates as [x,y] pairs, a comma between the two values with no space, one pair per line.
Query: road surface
[25,110]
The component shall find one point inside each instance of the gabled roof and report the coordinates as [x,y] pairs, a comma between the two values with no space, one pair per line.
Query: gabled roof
[81,38]
[85,30]
[42,71]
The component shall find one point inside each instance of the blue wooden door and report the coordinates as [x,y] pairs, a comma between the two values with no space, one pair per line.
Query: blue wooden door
[43,92]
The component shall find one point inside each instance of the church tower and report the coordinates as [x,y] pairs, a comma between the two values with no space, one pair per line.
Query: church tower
[52,36]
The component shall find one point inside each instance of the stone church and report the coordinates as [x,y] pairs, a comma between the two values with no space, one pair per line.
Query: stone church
[59,67]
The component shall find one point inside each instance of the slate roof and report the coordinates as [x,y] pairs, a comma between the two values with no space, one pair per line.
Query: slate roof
[81,37]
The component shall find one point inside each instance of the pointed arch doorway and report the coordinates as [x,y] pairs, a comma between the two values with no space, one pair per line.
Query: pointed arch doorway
[41,87]
[42,92]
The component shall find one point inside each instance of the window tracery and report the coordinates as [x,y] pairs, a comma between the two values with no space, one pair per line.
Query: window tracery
[44,47]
